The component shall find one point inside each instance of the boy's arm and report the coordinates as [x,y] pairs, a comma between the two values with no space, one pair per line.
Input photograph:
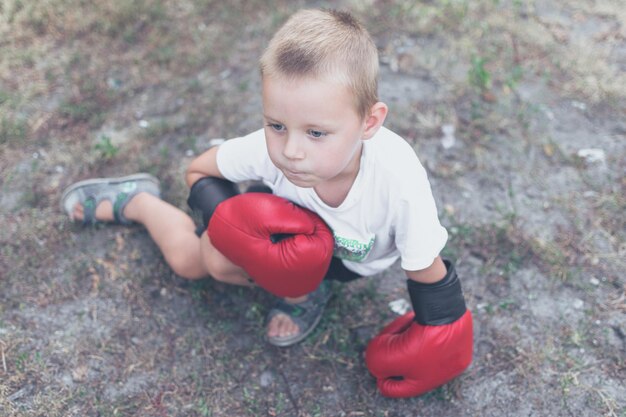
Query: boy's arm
[205,165]
[208,188]
[430,275]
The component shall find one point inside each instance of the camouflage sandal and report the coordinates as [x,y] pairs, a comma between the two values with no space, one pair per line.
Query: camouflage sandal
[306,315]
[119,191]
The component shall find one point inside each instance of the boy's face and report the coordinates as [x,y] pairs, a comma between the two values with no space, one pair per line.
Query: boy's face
[314,134]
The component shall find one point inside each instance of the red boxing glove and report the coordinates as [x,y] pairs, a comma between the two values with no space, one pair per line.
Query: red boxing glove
[285,249]
[422,350]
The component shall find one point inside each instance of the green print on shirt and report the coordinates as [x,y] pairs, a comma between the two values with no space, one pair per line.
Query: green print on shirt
[351,249]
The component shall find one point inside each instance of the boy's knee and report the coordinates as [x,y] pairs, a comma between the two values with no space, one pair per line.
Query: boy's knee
[186,267]
[218,266]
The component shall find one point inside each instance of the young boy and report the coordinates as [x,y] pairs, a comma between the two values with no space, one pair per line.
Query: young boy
[324,148]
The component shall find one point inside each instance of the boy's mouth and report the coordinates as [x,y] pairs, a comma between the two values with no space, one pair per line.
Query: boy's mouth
[291,172]
[294,175]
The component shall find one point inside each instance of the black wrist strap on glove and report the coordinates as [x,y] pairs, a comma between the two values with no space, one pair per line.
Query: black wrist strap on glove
[439,303]
[206,194]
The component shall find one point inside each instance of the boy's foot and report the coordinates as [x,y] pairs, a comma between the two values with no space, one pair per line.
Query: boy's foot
[301,317]
[104,199]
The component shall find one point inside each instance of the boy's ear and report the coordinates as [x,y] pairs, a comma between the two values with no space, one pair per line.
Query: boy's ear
[375,120]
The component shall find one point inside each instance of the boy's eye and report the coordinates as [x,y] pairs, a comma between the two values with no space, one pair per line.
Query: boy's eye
[317,133]
[276,126]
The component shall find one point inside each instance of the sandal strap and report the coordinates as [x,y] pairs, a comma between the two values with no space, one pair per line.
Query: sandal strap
[295,311]
[89,211]
[121,200]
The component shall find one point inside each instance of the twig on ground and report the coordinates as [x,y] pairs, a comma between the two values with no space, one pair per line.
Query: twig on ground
[289,394]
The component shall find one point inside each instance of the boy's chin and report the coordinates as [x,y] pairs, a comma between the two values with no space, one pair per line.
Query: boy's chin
[301,183]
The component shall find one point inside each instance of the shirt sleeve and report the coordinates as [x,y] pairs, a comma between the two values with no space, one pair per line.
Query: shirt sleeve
[246,158]
[420,237]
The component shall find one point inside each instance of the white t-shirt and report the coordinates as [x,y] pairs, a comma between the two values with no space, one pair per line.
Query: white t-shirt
[388,213]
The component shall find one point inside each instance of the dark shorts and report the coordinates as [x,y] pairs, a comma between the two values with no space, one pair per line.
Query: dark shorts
[337,271]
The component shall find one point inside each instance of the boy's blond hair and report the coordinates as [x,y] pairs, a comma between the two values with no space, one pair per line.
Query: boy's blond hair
[326,44]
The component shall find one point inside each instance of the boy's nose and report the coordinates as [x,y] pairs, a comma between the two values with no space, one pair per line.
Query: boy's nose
[293,148]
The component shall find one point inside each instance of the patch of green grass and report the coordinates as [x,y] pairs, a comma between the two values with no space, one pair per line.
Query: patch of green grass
[12,130]
[194,86]
[478,76]
[4,97]
[190,143]
[203,408]
[29,197]
[255,312]
[514,77]
[158,129]
[514,249]
[163,55]
[76,110]
[503,246]
[456,9]
[105,148]
[164,153]
[88,104]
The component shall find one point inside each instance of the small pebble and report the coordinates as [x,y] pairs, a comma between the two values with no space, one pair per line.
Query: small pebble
[267,377]
[448,139]
[578,303]
[400,306]
[592,155]
[594,281]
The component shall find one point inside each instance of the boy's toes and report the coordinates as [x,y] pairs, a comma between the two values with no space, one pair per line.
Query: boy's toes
[77,212]
[272,327]
[281,326]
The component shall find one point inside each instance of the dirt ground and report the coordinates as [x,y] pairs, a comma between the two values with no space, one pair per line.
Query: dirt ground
[530,184]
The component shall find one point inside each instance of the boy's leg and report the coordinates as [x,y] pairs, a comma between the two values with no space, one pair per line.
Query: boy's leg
[174,233]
